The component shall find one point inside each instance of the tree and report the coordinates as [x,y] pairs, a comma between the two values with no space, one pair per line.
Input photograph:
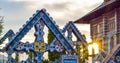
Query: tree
[30,55]
[52,55]
[45,61]
[1,26]
[17,57]
[82,51]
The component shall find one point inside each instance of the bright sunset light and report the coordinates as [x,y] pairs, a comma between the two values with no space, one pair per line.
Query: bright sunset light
[95,47]
[90,49]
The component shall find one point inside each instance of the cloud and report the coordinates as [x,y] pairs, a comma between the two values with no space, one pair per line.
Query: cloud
[14,14]
[17,12]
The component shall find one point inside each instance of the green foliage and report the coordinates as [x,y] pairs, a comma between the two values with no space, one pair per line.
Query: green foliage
[84,37]
[17,57]
[83,54]
[50,37]
[31,55]
[45,61]
[82,51]
[52,55]
[1,26]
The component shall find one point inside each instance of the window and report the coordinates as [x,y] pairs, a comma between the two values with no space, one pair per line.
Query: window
[97,28]
[94,29]
[100,28]
[111,24]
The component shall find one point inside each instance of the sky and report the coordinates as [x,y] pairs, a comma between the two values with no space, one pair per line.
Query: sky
[17,12]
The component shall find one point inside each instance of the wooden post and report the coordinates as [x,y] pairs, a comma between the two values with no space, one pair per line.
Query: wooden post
[115,41]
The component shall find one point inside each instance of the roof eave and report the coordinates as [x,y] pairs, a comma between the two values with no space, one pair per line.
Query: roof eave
[98,11]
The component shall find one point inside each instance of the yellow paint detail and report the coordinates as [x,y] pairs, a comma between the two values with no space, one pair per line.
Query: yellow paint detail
[39,47]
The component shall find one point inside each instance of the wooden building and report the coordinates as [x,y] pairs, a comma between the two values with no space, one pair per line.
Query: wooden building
[104,24]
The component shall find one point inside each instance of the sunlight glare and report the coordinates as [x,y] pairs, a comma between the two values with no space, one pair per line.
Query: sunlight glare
[90,49]
[96,49]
